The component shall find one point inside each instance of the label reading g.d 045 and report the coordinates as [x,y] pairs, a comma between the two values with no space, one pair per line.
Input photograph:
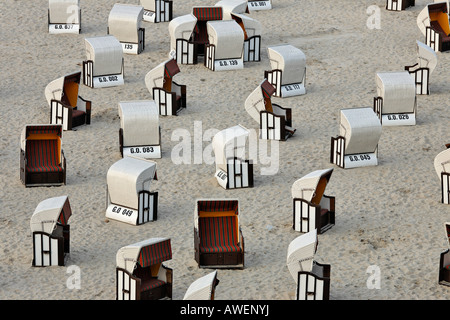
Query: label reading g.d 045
[222,178]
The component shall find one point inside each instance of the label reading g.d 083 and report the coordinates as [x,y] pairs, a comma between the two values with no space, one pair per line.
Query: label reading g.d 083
[148,152]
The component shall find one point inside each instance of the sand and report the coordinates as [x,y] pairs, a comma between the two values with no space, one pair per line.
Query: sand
[389,215]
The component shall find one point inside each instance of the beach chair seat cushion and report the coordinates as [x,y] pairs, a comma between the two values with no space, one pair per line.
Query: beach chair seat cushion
[42,156]
[447,267]
[151,283]
[218,235]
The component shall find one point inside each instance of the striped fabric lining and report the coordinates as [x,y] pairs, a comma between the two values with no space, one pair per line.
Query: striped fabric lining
[151,283]
[44,130]
[42,156]
[218,234]
[66,212]
[207,13]
[218,205]
[155,253]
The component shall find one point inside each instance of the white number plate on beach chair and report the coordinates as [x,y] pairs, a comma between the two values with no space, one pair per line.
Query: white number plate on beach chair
[108,81]
[291,90]
[259,5]
[399,119]
[121,214]
[360,160]
[149,16]
[147,152]
[222,178]
[63,28]
[130,48]
[228,64]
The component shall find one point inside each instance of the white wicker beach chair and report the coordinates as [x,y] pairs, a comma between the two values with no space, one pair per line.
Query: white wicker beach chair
[422,70]
[311,277]
[444,261]
[312,209]
[141,273]
[129,198]
[233,170]
[124,22]
[257,5]
[66,106]
[225,48]
[218,239]
[442,167]
[399,5]
[203,288]
[42,161]
[157,10]
[103,66]
[357,143]
[396,102]
[139,133]
[288,74]
[433,22]
[275,122]
[64,16]
[169,96]
[51,232]
[182,47]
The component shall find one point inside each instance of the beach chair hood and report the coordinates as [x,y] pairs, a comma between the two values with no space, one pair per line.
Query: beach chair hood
[290,60]
[442,162]
[361,129]
[426,56]
[202,288]
[55,89]
[312,186]
[39,129]
[228,38]
[145,253]
[64,11]
[124,21]
[251,26]
[423,18]
[232,6]
[229,143]
[107,54]
[301,251]
[254,103]
[215,205]
[398,90]
[139,120]
[181,28]
[128,176]
[50,212]
[156,77]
